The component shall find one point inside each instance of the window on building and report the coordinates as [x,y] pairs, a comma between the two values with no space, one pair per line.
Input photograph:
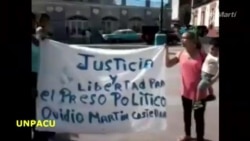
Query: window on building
[211,16]
[94,1]
[76,26]
[135,24]
[157,3]
[112,2]
[110,24]
[195,19]
[203,14]
[139,3]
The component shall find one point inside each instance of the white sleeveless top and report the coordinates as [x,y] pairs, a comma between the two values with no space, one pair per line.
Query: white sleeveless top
[210,65]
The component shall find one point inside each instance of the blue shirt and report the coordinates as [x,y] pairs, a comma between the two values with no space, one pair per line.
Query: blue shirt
[183,30]
[35,58]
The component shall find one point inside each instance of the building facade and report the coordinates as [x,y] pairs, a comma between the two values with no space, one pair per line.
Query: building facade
[206,12]
[71,18]
[184,12]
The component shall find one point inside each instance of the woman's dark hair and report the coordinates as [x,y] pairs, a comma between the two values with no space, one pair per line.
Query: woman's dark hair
[193,36]
[43,17]
[33,39]
[198,44]
[215,42]
[33,16]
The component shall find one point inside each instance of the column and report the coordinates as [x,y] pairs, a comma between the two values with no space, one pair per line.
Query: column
[147,3]
[123,2]
[83,25]
[70,27]
[76,27]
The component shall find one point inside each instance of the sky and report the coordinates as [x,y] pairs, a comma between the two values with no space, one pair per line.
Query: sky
[155,3]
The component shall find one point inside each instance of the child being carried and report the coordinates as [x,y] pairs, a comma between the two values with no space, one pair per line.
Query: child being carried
[209,74]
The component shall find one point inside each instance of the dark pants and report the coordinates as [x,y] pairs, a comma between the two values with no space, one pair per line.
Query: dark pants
[38,136]
[198,116]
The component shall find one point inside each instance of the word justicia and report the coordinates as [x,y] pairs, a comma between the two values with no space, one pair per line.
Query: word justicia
[36,123]
[117,63]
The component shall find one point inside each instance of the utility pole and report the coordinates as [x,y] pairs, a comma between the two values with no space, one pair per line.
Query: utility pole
[160,37]
[161,16]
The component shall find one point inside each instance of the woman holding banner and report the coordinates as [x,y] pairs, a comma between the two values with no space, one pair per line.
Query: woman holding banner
[38,136]
[42,31]
[190,60]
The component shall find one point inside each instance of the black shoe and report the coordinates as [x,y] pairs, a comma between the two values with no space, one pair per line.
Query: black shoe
[210,98]
[200,139]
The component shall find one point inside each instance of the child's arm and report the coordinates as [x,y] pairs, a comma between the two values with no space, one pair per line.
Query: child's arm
[215,78]
[41,33]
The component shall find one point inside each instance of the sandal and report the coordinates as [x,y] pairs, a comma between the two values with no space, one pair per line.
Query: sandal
[197,105]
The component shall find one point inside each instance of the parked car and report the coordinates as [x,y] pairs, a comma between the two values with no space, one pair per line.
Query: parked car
[122,35]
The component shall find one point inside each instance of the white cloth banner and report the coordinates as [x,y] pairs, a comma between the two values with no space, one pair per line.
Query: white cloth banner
[101,91]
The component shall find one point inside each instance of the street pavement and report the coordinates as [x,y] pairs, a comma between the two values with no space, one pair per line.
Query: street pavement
[174,120]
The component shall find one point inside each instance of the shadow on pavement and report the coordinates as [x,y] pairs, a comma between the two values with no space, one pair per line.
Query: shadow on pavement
[194,139]
[175,45]
[172,53]
[74,137]
[66,137]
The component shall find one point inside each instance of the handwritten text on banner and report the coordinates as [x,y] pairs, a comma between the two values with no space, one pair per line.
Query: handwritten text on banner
[90,90]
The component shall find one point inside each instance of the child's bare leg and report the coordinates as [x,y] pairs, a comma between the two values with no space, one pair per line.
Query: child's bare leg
[210,90]
[197,102]
[211,95]
[202,87]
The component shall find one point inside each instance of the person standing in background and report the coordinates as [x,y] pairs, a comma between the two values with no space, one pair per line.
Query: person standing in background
[38,34]
[34,65]
[42,30]
[88,34]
